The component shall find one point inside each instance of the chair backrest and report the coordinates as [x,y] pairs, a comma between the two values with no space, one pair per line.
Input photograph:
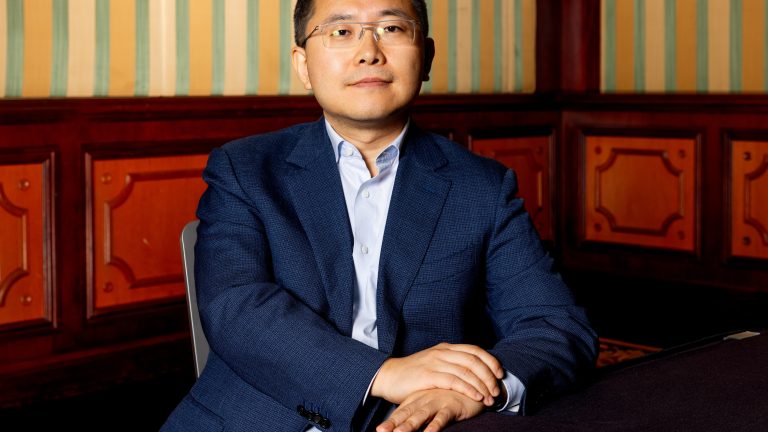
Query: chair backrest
[199,342]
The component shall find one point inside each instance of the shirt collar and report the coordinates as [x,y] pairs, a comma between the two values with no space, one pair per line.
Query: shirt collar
[337,140]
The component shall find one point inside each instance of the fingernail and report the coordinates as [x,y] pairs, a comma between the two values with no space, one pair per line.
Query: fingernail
[489,401]
[495,391]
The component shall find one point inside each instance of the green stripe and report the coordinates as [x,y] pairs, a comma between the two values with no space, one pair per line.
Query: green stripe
[182,47]
[609,62]
[736,45]
[639,46]
[670,45]
[519,60]
[497,44]
[427,86]
[142,48]
[252,49]
[101,75]
[14,56]
[60,53]
[284,86]
[475,46]
[218,44]
[702,46]
[452,46]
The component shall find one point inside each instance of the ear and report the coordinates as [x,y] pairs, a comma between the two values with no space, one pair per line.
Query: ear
[299,59]
[429,55]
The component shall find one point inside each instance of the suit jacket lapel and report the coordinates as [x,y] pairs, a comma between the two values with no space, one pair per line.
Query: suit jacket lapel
[318,197]
[417,202]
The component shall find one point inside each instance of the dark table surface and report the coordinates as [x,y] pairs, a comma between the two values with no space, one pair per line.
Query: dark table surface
[713,385]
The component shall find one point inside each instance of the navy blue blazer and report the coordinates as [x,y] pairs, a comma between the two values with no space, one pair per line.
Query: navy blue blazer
[460,263]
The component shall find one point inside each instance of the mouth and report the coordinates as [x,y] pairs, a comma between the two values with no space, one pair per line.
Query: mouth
[371,82]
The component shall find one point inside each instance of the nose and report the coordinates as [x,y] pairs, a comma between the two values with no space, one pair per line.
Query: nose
[369,51]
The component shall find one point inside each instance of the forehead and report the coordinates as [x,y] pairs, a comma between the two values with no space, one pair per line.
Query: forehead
[361,10]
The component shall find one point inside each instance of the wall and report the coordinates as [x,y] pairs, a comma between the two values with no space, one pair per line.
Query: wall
[711,46]
[85,48]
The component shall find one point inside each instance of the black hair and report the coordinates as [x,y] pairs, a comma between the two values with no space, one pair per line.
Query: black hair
[305,8]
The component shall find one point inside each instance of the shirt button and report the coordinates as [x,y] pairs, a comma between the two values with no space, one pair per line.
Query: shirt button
[366,194]
[364,250]
[348,152]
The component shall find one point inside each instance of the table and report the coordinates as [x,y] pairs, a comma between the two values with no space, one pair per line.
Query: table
[716,385]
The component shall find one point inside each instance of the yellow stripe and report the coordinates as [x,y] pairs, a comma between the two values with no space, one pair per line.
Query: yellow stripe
[269,47]
[654,46]
[122,47]
[38,48]
[82,42]
[200,47]
[719,21]
[487,42]
[753,49]
[685,45]
[603,62]
[529,46]
[162,47]
[508,51]
[296,86]
[439,26]
[235,33]
[625,50]
[3,44]
[464,46]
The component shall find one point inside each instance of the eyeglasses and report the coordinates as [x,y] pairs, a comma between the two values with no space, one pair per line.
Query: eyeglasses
[344,34]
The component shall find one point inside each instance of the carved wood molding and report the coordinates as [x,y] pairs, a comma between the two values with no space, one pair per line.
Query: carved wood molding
[751,179]
[602,170]
[110,257]
[22,267]
[640,191]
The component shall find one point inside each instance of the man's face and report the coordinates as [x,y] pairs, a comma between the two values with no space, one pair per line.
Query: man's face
[369,82]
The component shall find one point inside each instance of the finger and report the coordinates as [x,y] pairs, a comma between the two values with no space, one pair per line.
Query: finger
[397,417]
[415,420]
[471,365]
[492,362]
[386,426]
[474,387]
[441,419]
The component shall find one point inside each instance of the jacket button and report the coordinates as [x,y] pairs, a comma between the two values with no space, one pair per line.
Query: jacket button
[325,424]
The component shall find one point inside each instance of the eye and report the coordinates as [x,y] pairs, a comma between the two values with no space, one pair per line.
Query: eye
[340,32]
[393,29]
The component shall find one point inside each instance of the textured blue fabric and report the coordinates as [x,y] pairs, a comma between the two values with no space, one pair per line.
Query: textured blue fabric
[460,263]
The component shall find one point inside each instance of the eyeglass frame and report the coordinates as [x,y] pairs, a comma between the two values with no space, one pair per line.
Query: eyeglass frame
[363,27]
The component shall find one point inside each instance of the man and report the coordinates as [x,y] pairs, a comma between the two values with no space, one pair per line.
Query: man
[358,273]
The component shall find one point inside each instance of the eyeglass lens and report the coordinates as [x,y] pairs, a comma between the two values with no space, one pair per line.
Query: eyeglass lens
[347,34]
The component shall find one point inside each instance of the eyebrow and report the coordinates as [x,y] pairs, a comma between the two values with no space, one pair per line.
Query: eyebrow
[384,13]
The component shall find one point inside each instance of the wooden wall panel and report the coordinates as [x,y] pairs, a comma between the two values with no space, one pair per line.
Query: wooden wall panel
[140,206]
[749,199]
[25,284]
[640,191]
[530,157]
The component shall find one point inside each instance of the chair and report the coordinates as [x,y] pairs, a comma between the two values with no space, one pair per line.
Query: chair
[199,342]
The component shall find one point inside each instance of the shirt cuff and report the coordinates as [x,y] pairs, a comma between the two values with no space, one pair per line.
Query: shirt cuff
[370,385]
[515,390]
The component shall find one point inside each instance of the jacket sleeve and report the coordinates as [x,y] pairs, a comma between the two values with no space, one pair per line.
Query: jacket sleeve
[543,338]
[272,340]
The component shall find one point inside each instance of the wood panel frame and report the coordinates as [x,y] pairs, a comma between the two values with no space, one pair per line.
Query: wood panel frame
[45,157]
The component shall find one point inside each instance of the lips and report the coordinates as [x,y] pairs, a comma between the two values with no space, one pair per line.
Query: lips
[371,81]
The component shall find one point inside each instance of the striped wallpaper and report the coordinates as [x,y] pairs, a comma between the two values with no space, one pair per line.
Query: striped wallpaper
[709,46]
[118,48]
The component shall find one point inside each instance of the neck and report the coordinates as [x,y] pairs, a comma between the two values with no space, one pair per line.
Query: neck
[370,139]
